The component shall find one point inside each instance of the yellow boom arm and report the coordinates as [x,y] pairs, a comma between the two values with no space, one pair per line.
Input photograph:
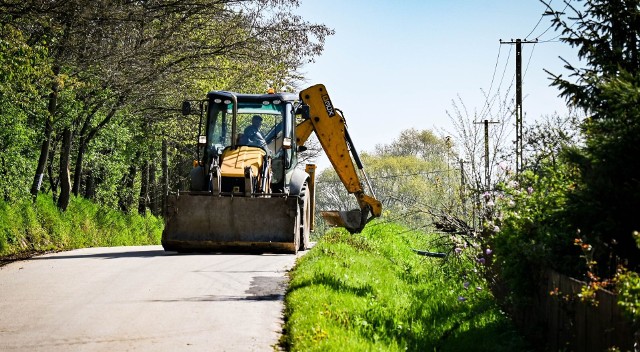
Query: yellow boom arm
[331,130]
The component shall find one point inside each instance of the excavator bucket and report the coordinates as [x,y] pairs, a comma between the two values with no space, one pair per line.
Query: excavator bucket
[352,220]
[202,222]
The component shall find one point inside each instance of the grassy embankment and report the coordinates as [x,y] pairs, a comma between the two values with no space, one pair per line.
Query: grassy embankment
[27,227]
[371,292]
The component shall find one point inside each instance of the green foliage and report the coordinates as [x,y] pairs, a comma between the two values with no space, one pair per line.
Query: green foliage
[373,292]
[628,286]
[23,69]
[117,85]
[526,227]
[27,227]
[409,176]
[604,202]
[422,144]
[606,35]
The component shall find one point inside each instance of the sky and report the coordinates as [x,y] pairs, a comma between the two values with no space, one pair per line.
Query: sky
[395,65]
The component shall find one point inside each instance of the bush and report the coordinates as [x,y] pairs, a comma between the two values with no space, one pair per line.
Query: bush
[628,286]
[526,227]
[27,227]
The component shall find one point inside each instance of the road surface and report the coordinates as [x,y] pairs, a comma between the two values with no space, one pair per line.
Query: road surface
[142,299]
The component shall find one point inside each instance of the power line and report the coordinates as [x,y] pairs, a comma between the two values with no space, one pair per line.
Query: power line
[493,76]
[393,176]
[489,100]
[536,26]
[545,31]
[484,113]
[519,148]
[529,61]
[567,2]
[555,39]
[424,173]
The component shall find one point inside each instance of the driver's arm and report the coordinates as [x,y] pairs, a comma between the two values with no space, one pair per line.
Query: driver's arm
[259,139]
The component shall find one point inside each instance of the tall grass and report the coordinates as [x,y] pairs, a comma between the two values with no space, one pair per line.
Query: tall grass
[27,227]
[372,292]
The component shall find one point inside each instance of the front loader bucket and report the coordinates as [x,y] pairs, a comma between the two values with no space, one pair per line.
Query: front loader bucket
[202,222]
[352,220]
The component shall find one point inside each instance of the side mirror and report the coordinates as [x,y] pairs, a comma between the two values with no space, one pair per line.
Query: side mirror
[186,108]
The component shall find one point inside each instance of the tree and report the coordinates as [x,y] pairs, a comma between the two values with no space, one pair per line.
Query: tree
[145,57]
[545,141]
[605,202]
[23,72]
[410,176]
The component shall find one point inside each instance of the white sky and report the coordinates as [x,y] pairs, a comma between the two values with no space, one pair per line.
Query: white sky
[394,65]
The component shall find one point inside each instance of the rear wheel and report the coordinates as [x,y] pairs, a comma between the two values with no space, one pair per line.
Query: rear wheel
[305,217]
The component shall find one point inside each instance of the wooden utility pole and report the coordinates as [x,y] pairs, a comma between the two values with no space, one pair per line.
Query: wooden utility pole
[519,146]
[487,173]
[463,194]
[462,179]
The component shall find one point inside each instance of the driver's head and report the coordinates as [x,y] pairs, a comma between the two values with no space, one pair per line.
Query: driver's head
[256,120]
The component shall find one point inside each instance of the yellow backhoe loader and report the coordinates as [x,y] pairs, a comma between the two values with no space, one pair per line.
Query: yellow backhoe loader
[247,191]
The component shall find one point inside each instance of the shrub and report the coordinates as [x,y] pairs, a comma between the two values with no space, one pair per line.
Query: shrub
[525,224]
[31,227]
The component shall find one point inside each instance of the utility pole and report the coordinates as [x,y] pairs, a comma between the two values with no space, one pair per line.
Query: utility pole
[519,146]
[462,179]
[487,173]
[463,196]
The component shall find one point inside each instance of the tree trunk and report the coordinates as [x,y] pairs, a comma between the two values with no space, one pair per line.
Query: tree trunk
[165,175]
[153,189]
[77,173]
[126,195]
[53,181]
[48,131]
[42,160]
[65,177]
[144,189]
[89,185]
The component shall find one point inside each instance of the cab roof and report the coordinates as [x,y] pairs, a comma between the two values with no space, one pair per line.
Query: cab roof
[258,98]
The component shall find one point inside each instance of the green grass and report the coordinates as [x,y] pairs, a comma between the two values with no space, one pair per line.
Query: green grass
[27,227]
[371,292]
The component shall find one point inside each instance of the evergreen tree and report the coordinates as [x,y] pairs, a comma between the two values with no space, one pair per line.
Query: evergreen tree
[604,204]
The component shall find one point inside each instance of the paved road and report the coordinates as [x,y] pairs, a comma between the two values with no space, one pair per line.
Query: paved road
[142,299]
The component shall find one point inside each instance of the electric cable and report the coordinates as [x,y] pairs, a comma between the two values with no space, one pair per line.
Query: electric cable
[528,62]
[392,176]
[551,26]
[497,94]
[493,76]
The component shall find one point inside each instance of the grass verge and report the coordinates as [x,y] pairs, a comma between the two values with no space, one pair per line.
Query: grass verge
[372,292]
[27,227]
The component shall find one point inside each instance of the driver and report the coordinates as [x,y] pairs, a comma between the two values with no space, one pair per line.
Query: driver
[252,135]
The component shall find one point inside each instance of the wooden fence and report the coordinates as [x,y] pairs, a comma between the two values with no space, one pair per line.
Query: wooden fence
[567,324]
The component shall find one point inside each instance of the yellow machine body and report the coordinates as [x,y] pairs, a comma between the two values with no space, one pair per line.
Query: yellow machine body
[253,198]
[331,129]
[235,161]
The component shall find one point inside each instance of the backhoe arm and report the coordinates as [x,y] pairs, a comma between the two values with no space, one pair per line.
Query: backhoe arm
[331,130]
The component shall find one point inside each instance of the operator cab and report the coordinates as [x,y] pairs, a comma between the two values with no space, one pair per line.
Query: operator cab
[264,121]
